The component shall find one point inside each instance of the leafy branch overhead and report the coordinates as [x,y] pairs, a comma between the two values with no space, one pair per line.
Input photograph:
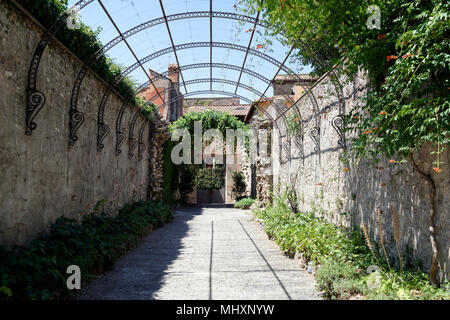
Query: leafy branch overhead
[407,61]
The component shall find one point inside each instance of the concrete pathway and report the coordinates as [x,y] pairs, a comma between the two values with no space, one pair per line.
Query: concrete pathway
[205,253]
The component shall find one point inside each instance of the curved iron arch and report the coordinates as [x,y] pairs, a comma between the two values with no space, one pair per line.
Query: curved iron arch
[132,142]
[36,99]
[120,136]
[103,129]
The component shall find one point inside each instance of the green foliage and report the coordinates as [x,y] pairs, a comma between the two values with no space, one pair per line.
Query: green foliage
[211,178]
[339,281]
[186,185]
[343,257]
[170,174]
[210,119]
[239,184]
[38,271]
[407,61]
[83,42]
[293,124]
[244,203]
[147,110]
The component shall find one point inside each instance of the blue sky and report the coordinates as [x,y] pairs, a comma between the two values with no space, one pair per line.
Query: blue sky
[129,13]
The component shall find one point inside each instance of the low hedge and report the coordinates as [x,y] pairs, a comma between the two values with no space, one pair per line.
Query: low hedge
[38,271]
[343,259]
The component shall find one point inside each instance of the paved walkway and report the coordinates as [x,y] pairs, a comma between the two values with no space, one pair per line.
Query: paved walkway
[205,253]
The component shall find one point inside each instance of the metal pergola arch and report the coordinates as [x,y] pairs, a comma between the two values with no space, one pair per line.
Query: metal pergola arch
[132,142]
[36,99]
[120,136]
[103,129]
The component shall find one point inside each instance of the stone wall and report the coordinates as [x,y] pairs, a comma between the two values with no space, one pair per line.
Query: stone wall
[41,177]
[347,193]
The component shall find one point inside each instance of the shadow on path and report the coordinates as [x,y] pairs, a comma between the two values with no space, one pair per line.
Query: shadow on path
[210,252]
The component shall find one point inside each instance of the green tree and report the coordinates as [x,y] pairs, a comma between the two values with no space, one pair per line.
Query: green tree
[239,185]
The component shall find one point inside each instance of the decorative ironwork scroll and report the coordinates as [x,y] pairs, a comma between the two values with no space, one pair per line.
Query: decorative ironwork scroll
[76,120]
[338,124]
[36,99]
[141,146]
[299,144]
[287,148]
[154,55]
[103,131]
[131,141]
[314,133]
[120,136]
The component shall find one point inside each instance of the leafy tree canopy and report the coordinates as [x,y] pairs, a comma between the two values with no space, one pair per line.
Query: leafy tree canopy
[407,61]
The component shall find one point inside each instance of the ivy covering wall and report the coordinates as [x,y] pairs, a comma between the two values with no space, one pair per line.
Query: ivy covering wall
[83,42]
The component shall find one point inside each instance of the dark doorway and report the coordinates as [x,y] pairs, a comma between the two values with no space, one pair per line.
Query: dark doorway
[211,196]
[253,181]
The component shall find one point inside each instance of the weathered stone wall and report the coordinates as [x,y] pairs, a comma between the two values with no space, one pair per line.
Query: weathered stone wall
[41,177]
[349,193]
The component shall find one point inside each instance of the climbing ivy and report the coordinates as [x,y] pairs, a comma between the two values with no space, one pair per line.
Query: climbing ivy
[293,124]
[210,119]
[83,42]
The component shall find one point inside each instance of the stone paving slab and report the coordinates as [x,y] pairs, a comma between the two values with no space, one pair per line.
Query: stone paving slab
[205,253]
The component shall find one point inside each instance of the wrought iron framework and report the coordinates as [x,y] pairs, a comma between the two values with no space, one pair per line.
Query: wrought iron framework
[171,39]
[103,129]
[36,99]
[121,137]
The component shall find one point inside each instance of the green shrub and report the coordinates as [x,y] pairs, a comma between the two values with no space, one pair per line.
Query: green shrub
[170,178]
[38,271]
[339,280]
[239,185]
[343,257]
[211,178]
[186,174]
[244,203]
